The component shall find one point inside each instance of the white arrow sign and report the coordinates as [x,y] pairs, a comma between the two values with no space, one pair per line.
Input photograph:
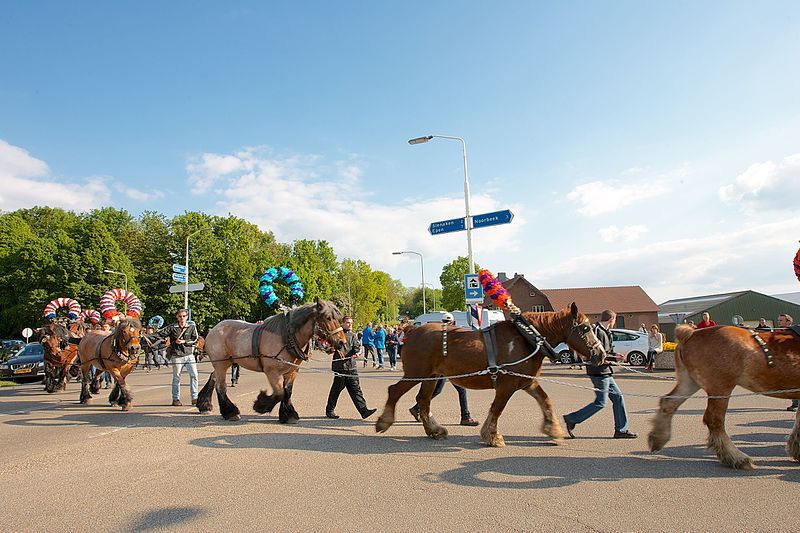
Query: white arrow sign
[192,288]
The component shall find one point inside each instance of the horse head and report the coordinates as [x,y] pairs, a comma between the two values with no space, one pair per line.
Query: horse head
[328,324]
[126,334]
[54,338]
[580,336]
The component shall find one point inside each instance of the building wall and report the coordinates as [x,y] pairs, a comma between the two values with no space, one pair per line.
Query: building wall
[521,295]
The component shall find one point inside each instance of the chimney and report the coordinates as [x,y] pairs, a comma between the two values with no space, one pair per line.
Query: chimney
[501,277]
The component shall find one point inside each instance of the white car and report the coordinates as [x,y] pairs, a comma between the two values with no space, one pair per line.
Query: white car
[631,344]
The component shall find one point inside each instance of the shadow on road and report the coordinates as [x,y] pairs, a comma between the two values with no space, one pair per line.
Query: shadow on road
[164,518]
[554,472]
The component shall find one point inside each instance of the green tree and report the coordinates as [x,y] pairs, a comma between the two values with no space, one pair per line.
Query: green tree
[452,280]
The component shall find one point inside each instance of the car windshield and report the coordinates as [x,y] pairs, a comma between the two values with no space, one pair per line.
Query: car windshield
[31,349]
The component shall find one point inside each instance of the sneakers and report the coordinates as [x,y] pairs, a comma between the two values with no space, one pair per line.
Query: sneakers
[570,427]
[331,414]
[625,435]
[469,422]
[415,413]
[791,408]
[176,403]
[368,413]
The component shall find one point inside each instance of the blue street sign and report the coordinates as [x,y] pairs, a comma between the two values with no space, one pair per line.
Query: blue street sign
[492,219]
[180,278]
[473,292]
[180,269]
[447,226]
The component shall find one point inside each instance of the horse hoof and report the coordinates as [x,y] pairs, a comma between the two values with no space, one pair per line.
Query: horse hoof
[126,407]
[208,412]
[234,418]
[655,444]
[497,441]
[292,420]
[382,425]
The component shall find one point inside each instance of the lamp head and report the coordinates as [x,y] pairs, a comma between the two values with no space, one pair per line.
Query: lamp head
[420,140]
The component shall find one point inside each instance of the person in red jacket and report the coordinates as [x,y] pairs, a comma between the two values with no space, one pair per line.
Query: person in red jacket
[706,322]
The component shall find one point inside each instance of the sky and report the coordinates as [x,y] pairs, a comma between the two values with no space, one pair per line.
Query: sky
[636,143]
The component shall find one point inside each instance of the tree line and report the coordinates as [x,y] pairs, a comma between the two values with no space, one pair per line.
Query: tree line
[49,252]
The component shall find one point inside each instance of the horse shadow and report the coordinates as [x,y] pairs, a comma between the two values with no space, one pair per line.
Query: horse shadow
[531,472]
[164,518]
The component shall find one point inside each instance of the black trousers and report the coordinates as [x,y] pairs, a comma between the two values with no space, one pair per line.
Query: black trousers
[353,388]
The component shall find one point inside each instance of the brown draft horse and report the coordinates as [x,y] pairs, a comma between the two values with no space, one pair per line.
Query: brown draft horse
[59,352]
[718,359]
[423,358]
[231,341]
[115,353]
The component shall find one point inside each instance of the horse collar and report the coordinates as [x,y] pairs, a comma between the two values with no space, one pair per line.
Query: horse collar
[763,346]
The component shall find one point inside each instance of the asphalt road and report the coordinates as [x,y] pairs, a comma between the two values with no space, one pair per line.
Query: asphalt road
[66,466]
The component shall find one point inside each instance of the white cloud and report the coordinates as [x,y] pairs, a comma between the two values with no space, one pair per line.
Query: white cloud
[627,233]
[25,182]
[767,185]
[600,197]
[304,197]
[142,196]
[206,169]
[758,257]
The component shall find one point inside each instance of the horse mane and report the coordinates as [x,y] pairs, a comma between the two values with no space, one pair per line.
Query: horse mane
[300,315]
[58,329]
[122,325]
[551,323]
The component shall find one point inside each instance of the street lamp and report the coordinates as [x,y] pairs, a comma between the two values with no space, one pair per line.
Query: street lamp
[119,273]
[426,138]
[422,271]
[186,284]
[433,289]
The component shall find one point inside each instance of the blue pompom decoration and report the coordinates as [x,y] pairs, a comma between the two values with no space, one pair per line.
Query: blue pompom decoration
[73,316]
[265,289]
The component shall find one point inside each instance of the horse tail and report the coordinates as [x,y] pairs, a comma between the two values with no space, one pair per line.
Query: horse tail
[682,334]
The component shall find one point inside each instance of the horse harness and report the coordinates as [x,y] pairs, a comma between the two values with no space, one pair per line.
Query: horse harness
[291,345]
[763,345]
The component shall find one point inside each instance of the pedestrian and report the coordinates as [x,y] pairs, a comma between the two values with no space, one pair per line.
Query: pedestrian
[784,321]
[707,322]
[366,341]
[234,374]
[182,341]
[401,339]
[604,384]
[346,375]
[655,345]
[148,349]
[691,324]
[762,325]
[466,417]
[642,328]
[379,340]
[391,348]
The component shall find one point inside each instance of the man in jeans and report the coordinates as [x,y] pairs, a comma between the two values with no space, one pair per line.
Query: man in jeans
[367,342]
[182,341]
[604,384]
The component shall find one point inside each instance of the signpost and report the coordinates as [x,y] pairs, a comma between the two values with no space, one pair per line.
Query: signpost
[180,278]
[27,333]
[192,287]
[473,292]
[180,269]
[447,226]
[492,219]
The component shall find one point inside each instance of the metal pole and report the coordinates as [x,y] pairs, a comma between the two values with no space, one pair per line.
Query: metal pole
[186,280]
[422,270]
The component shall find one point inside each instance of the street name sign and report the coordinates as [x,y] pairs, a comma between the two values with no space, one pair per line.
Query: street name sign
[180,269]
[447,226]
[492,219]
[473,292]
[192,287]
[180,278]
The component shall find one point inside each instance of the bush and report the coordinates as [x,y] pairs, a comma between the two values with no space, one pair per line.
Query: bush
[670,346]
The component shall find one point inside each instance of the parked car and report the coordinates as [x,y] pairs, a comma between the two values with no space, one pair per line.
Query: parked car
[8,347]
[25,364]
[488,317]
[631,344]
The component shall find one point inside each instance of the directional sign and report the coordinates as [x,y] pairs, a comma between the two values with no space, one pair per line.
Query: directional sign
[180,269]
[27,333]
[447,226]
[473,292]
[180,278]
[492,219]
[192,287]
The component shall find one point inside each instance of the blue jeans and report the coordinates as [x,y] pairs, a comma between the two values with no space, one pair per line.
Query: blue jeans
[178,364]
[391,350]
[607,386]
[380,356]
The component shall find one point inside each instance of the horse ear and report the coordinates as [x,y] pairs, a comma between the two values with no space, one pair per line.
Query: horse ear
[573,309]
[319,304]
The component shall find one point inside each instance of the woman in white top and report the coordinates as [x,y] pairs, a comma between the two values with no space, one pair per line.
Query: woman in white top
[655,341]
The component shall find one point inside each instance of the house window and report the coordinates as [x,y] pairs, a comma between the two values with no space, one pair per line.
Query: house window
[537,308]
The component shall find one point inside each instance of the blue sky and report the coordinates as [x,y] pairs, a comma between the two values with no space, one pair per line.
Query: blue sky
[637,143]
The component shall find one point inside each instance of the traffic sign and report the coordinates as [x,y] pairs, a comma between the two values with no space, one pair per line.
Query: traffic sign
[473,292]
[27,333]
[192,288]
[447,226]
[492,219]
[180,278]
[180,269]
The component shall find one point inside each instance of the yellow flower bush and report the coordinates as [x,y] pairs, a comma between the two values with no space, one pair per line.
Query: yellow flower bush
[669,346]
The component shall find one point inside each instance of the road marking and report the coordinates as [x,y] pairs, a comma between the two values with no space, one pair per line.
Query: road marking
[104,433]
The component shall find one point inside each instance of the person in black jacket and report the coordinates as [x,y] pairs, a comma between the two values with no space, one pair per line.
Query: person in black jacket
[182,341]
[347,376]
[604,384]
